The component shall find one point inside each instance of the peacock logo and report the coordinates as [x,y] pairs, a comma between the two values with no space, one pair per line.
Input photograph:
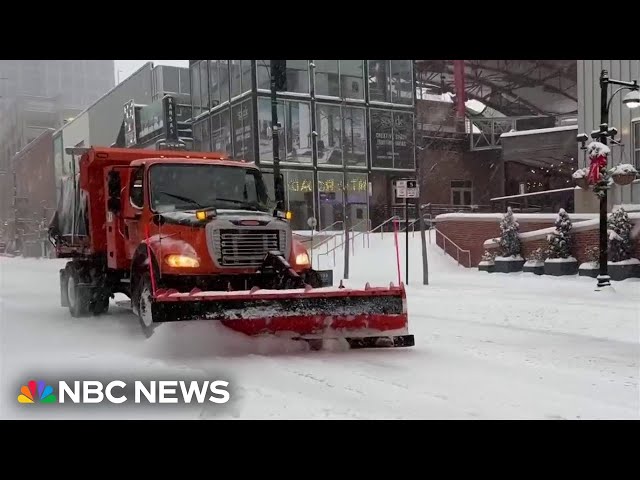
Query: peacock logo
[36,392]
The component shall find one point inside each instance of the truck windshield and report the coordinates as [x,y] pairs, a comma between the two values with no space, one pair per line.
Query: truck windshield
[186,187]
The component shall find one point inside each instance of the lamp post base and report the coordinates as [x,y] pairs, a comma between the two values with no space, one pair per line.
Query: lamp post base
[604,281]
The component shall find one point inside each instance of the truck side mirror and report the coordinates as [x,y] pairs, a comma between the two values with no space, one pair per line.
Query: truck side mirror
[114,187]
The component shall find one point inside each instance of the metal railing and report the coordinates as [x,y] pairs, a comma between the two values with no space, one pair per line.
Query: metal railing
[546,201]
[458,249]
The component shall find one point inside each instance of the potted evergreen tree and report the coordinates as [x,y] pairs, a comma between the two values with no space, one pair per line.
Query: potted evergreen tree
[621,262]
[560,261]
[487,262]
[510,259]
[535,262]
[590,268]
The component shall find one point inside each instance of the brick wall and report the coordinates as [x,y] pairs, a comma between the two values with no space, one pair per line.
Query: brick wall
[471,235]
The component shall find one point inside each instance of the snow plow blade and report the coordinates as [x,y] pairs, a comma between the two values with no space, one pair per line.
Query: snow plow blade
[366,318]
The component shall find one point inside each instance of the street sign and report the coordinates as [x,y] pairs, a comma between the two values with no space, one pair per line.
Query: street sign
[407,189]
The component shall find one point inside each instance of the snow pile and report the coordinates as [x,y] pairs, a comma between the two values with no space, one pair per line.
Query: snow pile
[598,149]
[580,173]
[510,258]
[561,260]
[589,266]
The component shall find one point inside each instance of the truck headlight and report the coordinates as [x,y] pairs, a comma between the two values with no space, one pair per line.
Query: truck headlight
[181,261]
[302,259]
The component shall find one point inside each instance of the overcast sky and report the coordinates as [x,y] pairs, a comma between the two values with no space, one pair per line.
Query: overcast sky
[125,68]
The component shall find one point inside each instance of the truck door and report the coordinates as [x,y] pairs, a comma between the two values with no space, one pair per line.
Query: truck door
[133,211]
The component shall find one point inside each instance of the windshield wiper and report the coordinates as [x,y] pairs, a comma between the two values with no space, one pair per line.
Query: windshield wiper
[184,199]
[248,205]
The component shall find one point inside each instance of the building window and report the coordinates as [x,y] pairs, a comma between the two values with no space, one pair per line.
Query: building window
[206,135]
[214,83]
[240,77]
[330,201]
[391,81]
[295,135]
[204,85]
[392,139]
[195,89]
[221,133]
[299,193]
[636,142]
[297,75]
[340,78]
[358,201]
[197,137]
[223,80]
[461,192]
[341,135]
[242,130]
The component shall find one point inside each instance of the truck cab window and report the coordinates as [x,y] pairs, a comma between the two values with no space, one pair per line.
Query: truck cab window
[136,189]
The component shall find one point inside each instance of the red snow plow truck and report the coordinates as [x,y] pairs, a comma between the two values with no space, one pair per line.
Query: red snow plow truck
[190,236]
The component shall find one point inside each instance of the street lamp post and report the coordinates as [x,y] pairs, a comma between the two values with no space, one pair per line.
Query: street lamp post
[631,100]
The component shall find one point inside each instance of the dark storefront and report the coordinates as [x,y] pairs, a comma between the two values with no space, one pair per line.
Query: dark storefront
[337,130]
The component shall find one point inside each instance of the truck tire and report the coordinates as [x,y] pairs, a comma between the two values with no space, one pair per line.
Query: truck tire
[100,305]
[144,305]
[78,298]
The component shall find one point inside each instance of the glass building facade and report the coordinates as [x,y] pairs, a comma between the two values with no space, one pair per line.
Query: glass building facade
[344,123]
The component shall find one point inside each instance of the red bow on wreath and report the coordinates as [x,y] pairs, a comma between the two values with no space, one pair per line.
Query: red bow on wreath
[594,169]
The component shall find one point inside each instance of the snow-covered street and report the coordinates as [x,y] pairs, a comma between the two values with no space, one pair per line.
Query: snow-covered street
[488,346]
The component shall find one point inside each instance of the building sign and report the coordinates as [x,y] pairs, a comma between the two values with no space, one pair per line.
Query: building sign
[170,119]
[130,135]
[151,121]
[407,189]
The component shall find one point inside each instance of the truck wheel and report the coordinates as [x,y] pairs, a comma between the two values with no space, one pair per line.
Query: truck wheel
[77,297]
[100,306]
[144,306]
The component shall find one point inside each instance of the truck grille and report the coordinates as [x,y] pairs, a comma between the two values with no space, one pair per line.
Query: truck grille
[246,248]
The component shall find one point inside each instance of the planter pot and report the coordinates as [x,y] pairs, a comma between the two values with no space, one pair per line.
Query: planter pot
[587,270]
[486,267]
[624,178]
[536,268]
[508,264]
[560,266]
[622,270]
[583,183]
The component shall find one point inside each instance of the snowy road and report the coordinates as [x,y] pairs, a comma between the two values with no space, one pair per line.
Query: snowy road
[487,346]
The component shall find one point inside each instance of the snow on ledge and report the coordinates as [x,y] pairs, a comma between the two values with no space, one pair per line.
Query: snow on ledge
[543,232]
[631,261]
[512,258]
[537,131]
[520,217]
[561,260]
[589,266]
[534,263]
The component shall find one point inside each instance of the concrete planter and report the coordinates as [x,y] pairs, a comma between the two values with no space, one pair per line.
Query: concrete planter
[508,264]
[558,267]
[626,269]
[486,267]
[535,267]
[587,270]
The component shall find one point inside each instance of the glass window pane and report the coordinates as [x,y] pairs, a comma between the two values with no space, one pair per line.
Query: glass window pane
[225,132]
[242,131]
[381,138]
[217,141]
[401,81]
[352,79]
[403,150]
[223,72]
[264,74]
[298,76]
[195,89]
[327,82]
[329,138]
[357,200]
[197,137]
[298,132]
[467,197]
[264,129]
[204,85]
[330,204]
[456,197]
[636,135]
[214,84]
[206,136]
[355,137]
[246,75]
[236,76]
[379,80]
[299,191]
